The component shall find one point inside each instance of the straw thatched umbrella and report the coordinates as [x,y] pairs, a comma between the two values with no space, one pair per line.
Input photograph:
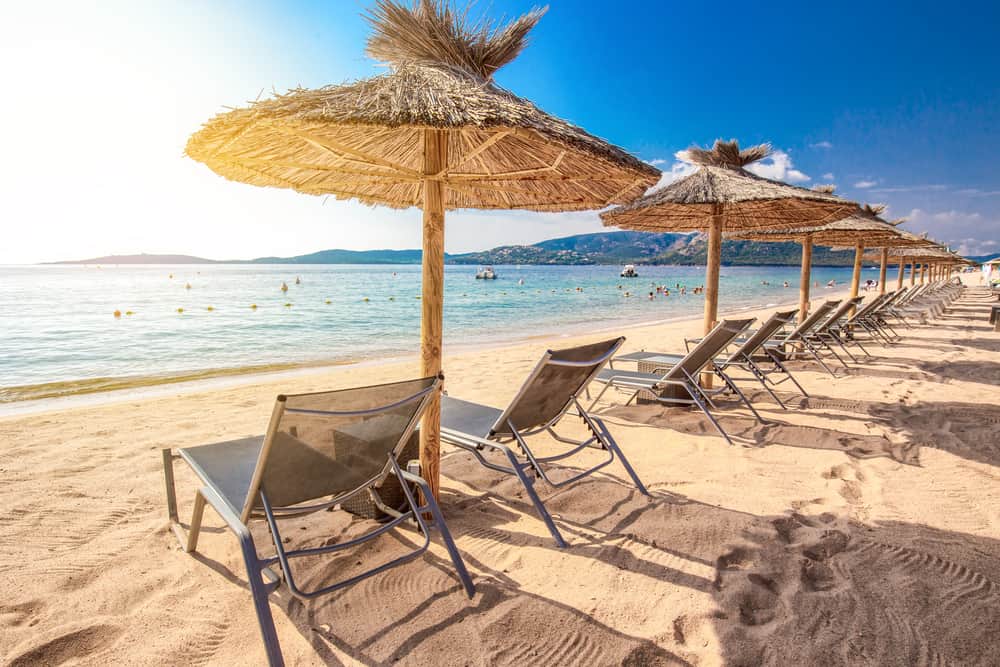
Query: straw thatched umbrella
[917,254]
[434,132]
[862,227]
[722,196]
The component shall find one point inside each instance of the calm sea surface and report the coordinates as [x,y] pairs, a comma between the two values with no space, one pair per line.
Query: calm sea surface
[57,323]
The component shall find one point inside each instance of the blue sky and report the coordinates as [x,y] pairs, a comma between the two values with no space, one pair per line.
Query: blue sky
[894,102]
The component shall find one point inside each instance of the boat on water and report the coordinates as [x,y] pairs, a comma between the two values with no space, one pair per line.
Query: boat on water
[486,274]
[629,271]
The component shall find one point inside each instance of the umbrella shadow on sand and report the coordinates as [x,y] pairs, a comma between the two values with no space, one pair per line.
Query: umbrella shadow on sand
[967,430]
[744,428]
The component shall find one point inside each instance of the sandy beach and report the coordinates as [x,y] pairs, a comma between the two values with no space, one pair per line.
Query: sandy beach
[861,526]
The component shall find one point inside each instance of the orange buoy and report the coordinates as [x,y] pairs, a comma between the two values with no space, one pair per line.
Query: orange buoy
[118,313]
[180,310]
[253,306]
[210,309]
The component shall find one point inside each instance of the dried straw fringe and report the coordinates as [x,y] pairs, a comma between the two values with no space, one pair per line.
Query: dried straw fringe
[432,33]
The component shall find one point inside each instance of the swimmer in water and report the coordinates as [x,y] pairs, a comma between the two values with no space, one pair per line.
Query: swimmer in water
[284,287]
[297,281]
[786,284]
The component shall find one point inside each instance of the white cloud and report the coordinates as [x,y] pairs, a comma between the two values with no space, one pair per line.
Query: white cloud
[976,192]
[678,170]
[828,176]
[970,233]
[778,167]
[865,184]
[821,144]
[656,162]
[936,187]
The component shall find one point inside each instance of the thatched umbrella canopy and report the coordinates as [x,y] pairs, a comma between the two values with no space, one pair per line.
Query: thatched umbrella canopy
[435,132]
[861,227]
[722,196]
[920,254]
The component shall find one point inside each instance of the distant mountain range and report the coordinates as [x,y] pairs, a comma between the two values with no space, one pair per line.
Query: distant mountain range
[600,248]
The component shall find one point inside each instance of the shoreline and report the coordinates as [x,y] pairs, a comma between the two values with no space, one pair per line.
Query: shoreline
[114,390]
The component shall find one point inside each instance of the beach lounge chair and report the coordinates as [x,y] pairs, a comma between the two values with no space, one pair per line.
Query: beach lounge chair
[551,392]
[825,334]
[320,450]
[678,384]
[868,320]
[752,356]
[785,348]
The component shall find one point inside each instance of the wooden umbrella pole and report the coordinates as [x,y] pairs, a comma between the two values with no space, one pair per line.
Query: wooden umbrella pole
[859,251]
[923,273]
[807,253]
[432,302]
[713,261]
[902,273]
[913,275]
[881,270]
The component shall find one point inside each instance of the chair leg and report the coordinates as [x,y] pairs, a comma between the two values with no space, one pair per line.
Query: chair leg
[704,408]
[259,590]
[431,504]
[736,390]
[196,517]
[762,377]
[815,354]
[611,444]
[529,487]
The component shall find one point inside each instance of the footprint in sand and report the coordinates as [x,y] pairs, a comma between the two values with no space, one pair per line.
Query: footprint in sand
[84,642]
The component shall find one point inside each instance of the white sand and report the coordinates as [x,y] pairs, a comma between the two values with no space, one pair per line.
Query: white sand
[862,528]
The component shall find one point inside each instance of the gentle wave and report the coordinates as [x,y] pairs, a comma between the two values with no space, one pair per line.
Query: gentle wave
[59,334]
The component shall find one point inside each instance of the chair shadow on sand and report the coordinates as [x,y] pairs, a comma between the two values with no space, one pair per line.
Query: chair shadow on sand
[788,589]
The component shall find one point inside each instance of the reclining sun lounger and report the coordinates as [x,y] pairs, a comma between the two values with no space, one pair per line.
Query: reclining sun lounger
[549,393]
[784,347]
[825,333]
[320,450]
[678,384]
[751,356]
[867,319]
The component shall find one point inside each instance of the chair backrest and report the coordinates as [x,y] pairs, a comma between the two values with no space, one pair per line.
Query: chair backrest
[812,320]
[558,378]
[710,346]
[895,298]
[766,331]
[869,307]
[332,443]
[839,313]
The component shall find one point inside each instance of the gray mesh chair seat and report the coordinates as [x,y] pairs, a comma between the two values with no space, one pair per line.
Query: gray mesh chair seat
[549,394]
[229,466]
[678,382]
[320,450]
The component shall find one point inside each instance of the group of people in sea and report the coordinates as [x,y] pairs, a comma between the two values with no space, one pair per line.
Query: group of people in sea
[664,290]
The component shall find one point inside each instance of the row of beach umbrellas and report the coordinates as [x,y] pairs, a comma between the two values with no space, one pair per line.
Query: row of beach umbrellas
[438,133]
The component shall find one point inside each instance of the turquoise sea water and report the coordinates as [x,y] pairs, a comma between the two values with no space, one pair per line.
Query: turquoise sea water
[57,323]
